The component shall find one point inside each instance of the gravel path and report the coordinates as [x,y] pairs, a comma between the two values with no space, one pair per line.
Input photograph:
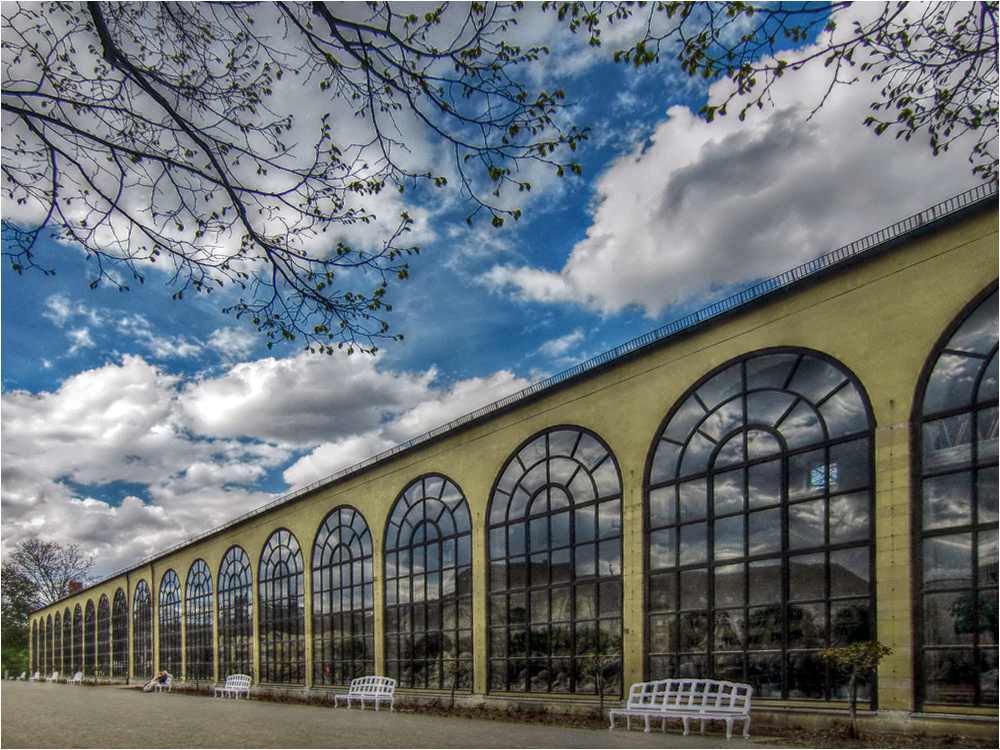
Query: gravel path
[43,715]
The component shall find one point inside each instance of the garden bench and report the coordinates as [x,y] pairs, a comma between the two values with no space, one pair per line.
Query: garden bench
[76,679]
[20,676]
[35,677]
[54,677]
[167,683]
[234,685]
[370,688]
[703,700]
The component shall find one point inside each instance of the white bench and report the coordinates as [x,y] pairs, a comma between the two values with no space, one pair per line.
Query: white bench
[234,685]
[167,683]
[370,688]
[76,679]
[703,700]
[54,677]
[35,677]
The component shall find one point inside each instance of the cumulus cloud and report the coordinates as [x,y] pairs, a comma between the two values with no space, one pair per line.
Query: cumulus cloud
[703,206]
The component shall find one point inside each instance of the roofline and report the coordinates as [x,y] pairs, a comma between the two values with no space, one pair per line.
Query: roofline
[945,212]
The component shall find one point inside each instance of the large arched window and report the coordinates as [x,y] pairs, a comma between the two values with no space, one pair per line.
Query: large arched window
[57,652]
[760,520]
[35,666]
[198,622]
[428,586]
[169,612]
[77,639]
[281,595]
[955,517]
[235,603]
[119,638]
[67,640]
[342,600]
[49,660]
[555,565]
[142,631]
[104,637]
[89,638]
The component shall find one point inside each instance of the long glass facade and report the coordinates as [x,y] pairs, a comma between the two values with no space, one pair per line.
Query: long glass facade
[67,640]
[428,586]
[955,518]
[120,636]
[142,631]
[282,610]
[760,517]
[168,607]
[235,604]
[57,650]
[103,637]
[90,639]
[77,639]
[343,601]
[555,567]
[198,636]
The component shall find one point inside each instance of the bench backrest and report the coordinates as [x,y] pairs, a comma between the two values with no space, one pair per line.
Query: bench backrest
[690,694]
[373,685]
[238,681]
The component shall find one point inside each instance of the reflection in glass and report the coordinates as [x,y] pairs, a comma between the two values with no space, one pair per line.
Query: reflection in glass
[89,638]
[235,613]
[782,444]
[343,628]
[104,637]
[198,631]
[281,616]
[168,607]
[428,630]
[559,498]
[142,630]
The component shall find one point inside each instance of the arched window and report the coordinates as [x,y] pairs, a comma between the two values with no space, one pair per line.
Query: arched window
[119,638]
[198,622]
[142,631]
[555,565]
[89,638]
[281,594]
[35,666]
[48,645]
[67,639]
[57,650]
[169,611]
[759,512]
[955,516]
[342,600]
[235,599]
[428,586]
[77,639]
[104,637]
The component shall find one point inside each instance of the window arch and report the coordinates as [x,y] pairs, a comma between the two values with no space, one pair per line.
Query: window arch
[428,586]
[343,599]
[235,603]
[119,638]
[198,643]
[282,617]
[760,520]
[48,645]
[67,639]
[555,564]
[57,649]
[89,638]
[142,630]
[77,639]
[169,616]
[104,637]
[955,516]
[34,646]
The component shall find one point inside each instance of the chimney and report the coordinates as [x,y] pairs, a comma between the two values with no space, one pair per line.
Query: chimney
[75,586]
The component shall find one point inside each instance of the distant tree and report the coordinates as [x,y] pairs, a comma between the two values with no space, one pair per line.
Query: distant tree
[149,133]
[49,568]
[19,595]
[936,61]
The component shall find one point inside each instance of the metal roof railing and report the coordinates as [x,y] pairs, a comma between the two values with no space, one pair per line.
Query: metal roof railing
[750,294]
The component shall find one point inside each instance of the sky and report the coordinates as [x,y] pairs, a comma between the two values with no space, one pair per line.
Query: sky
[131,422]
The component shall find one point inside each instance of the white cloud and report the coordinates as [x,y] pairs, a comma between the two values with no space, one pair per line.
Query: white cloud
[558,347]
[708,205]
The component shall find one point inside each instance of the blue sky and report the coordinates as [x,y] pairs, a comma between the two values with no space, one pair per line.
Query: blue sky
[132,422]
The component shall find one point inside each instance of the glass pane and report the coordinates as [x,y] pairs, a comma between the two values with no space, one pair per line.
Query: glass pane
[807,576]
[950,677]
[662,549]
[728,492]
[663,592]
[765,581]
[807,524]
[844,412]
[848,468]
[729,538]
[730,585]
[661,633]
[802,426]
[662,508]
[986,549]
[807,626]
[986,489]
[948,443]
[764,484]
[694,589]
[765,672]
[988,385]
[764,628]
[693,500]
[947,561]
[950,619]
[986,428]
[849,572]
[586,602]
[768,407]
[951,382]
[761,444]
[849,518]
[948,500]
[693,543]
[765,531]
[851,622]
[807,474]
[733,451]
[729,630]
[693,631]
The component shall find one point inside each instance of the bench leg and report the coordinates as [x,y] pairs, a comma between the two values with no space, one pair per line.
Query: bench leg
[686,730]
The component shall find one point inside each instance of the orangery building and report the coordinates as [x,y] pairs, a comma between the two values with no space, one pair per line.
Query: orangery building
[809,463]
